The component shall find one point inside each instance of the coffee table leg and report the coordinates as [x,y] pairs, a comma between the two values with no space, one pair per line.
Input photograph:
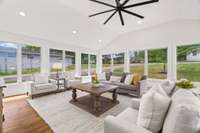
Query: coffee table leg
[74,95]
[114,96]
[96,103]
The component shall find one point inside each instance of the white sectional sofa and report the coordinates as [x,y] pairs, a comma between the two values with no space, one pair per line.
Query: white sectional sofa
[183,116]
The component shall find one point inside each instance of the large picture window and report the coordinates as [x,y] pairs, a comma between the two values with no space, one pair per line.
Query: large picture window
[188,62]
[84,64]
[31,60]
[157,63]
[70,61]
[118,64]
[137,62]
[56,56]
[106,63]
[93,62]
[8,65]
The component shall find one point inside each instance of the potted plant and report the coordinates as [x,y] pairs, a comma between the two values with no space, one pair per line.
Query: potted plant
[185,84]
[95,81]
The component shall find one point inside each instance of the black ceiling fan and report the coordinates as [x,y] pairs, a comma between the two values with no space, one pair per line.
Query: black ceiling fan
[121,7]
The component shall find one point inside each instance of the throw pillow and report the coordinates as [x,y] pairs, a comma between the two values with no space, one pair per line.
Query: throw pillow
[136,79]
[128,79]
[115,79]
[159,89]
[41,79]
[168,87]
[102,76]
[152,111]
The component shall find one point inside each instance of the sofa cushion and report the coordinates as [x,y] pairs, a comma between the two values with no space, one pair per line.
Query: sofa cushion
[168,86]
[152,111]
[128,79]
[43,86]
[41,78]
[184,113]
[130,115]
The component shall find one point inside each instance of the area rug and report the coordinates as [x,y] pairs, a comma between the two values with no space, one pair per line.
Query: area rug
[63,117]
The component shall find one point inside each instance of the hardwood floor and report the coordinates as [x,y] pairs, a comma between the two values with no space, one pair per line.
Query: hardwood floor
[20,117]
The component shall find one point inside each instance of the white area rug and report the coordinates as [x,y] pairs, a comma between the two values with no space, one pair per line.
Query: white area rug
[64,117]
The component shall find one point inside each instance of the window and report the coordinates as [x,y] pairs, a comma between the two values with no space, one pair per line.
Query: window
[157,63]
[8,65]
[84,64]
[118,64]
[188,64]
[137,62]
[106,63]
[93,62]
[56,56]
[70,61]
[31,60]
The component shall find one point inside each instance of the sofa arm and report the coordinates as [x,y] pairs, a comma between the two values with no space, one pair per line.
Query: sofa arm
[115,125]
[53,81]
[135,103]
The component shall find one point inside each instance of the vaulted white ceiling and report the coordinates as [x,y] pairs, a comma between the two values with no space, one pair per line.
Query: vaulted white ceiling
[55,20]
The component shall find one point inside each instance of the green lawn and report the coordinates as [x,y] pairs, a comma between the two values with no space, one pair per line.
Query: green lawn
[30,71]
[190,71]
[137,69]
[156,71]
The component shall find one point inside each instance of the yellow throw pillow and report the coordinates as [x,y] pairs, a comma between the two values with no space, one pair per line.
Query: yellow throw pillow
[136,79]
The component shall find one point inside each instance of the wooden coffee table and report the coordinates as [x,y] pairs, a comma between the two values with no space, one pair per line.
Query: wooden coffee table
[94,103]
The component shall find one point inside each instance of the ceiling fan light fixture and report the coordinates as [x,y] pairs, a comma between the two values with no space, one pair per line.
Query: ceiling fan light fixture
[23,14]
[139,22]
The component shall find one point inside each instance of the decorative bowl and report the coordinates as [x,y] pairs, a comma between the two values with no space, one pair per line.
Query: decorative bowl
[95,85]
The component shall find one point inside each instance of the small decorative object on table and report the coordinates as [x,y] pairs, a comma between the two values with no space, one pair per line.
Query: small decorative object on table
[95,81]
[185,84]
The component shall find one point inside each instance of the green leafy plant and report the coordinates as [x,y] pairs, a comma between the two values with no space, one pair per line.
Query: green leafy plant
[185,84]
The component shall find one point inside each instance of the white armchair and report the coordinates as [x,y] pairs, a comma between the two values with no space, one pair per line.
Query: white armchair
[42,85]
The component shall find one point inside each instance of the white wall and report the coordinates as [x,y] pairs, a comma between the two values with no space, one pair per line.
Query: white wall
[180,32]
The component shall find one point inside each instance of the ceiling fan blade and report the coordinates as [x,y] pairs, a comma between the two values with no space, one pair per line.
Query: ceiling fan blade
[134,14]
[110,17]
[96,1]
[125,2]
[141,3]
[117,2]
[121,17]
[101,12]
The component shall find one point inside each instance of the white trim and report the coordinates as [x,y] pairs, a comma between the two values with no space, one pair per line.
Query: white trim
[63,55]
[127,61]
[146,62]
[19,63]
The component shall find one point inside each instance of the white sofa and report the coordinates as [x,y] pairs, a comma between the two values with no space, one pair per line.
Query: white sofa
[42,85]
[183,116]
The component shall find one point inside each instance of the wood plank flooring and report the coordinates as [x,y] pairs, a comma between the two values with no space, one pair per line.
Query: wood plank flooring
[20,117]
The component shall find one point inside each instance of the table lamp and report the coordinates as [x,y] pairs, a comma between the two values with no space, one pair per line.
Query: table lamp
[57,67]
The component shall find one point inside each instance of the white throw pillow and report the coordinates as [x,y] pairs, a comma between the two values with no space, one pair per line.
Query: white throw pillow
[102,76]
[168,86]
[159,89]
[115,79]
[152,111]
[128,79]
[41,79]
